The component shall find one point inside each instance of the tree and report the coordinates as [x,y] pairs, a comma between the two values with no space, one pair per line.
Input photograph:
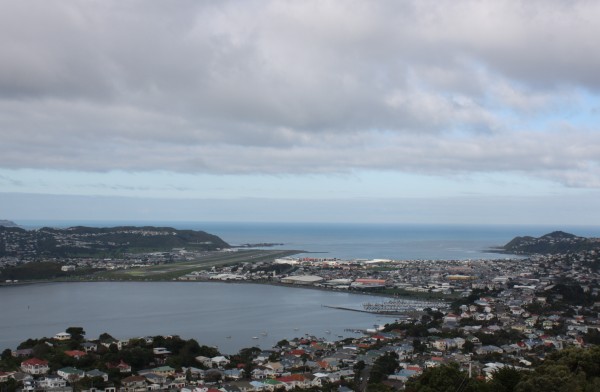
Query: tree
[282,343]
[444,378]
[468,347]
[6,354]
[505,379]
[567,370]
[105,337]
[77,333]
[383,366]
[358,368]
[11,385]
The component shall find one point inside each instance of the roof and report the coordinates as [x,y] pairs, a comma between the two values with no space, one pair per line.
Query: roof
[304,278]
[75,353]
[71,370]
[95,373]
[133,379]
[34,361]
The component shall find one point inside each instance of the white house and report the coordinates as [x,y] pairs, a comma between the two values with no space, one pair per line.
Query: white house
[35,366]
[62,336]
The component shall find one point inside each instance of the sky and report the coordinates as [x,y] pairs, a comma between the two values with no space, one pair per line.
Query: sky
[400,111]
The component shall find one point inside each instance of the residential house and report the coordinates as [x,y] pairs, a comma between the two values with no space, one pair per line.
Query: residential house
[134,384]
[35,366]
[51,382]
[97,373]
[4,376]
[219,361]
[75,353]
[70,373]
[24,352]
[89,347]
[62,336]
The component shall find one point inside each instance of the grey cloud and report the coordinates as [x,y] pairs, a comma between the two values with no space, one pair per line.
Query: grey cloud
[297,87]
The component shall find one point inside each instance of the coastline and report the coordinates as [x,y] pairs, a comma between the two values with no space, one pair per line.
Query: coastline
[265,283]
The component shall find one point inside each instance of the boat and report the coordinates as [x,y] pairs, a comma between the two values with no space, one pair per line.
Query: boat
[254,337]
[264,334]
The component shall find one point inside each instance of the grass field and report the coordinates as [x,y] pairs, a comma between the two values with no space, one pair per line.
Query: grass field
[174,270]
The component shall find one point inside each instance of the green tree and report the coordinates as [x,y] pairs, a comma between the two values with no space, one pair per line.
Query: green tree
[77,333]
[282,343]
[383,366]
[505,379]
[444,378]
[565,371]
[11,385]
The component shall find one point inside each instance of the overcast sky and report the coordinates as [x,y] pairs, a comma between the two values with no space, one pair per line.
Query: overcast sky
[449,111]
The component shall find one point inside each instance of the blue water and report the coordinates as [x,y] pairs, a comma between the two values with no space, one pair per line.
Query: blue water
[357,241]
[227,315]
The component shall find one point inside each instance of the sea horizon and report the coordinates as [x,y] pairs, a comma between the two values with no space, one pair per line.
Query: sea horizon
[356,240]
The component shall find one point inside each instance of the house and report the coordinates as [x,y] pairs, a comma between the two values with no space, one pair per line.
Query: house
[294,380]
[89,347]
[122,366]
[154,378]
[195,373]
[4,376]
[219,361]
[451,318]
[233,374]
[62,336]
[75,353]
[483,350]
[70,373]
[35,366]
[51,382]
[24,352]
[205,361]
[134,384]
[164,371]
[160,351]
[403,375]
[271,385]
[97,373]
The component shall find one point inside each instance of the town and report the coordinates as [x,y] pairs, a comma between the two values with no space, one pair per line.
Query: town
[474,317]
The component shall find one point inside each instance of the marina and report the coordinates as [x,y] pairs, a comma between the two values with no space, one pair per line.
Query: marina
[401,306]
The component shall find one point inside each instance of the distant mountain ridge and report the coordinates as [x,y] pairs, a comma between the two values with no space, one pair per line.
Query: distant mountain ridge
[7,223]
[80,241]
[551,243]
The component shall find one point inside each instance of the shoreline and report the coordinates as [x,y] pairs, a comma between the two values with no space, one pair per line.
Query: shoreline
[276,284]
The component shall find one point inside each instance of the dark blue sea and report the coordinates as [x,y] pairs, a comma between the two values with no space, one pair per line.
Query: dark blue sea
[360,241]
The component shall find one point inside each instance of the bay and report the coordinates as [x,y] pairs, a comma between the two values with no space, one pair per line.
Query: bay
[226,315]
[361,240]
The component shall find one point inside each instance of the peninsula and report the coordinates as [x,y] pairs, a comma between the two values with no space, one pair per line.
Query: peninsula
[551,243]
[81,241]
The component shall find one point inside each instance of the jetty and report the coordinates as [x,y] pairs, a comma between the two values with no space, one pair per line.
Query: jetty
[401,306]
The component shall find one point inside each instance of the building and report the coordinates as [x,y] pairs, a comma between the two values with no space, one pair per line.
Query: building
[35,366]
[302,279]
[62,336]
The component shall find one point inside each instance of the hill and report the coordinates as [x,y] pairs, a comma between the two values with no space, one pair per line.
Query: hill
[551,243]
[81,241]
[7,223]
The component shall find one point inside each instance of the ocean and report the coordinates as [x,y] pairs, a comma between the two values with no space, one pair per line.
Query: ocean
[232,316]
[360,241]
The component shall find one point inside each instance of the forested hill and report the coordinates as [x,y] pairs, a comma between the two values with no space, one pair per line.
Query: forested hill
[98,242]
[552,243]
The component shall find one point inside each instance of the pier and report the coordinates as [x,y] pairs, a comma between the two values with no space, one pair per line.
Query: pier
[400,306]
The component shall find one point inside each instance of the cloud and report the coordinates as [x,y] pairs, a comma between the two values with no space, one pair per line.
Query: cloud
[301,87]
